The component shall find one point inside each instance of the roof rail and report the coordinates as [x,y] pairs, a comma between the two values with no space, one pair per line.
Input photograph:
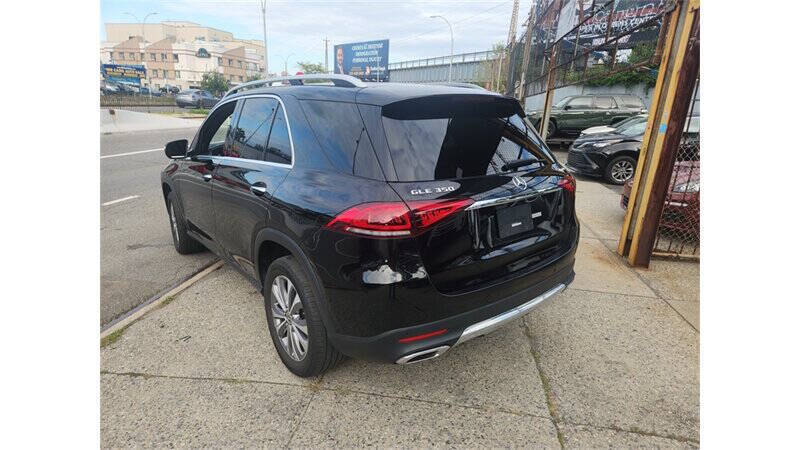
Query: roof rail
[298,80]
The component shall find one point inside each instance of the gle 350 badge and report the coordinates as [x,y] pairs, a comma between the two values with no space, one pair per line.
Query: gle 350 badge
[433,190]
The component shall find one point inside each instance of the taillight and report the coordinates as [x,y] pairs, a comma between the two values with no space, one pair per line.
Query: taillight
[568,183]
[395,219]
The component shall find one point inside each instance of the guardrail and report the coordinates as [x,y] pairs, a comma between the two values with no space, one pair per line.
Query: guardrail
[440,60]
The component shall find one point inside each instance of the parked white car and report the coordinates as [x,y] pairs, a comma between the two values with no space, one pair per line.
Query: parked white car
[621,125]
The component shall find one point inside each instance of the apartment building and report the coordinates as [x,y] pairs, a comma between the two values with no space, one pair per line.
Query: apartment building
[181,52]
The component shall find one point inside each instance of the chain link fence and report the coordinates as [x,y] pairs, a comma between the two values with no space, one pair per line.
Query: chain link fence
[679,224]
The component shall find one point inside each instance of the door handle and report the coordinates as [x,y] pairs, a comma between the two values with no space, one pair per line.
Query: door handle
[259,188]
[207,177]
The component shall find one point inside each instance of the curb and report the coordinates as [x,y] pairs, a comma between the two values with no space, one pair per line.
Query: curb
[139,313]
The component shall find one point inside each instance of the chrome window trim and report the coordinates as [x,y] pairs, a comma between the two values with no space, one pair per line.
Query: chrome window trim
[288,128]
[510,199]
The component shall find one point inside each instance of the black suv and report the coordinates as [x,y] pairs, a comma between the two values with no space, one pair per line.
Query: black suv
[383,221]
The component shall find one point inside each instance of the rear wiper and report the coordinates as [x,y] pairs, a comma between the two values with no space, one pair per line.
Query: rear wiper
[511,165]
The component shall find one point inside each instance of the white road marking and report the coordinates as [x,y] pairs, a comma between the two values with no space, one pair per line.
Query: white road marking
[119,200]
[133,153]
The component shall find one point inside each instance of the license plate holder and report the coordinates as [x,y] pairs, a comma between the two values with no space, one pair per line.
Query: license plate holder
[514,220]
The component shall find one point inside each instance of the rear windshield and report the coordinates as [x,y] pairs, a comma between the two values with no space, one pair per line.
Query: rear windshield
[446,138]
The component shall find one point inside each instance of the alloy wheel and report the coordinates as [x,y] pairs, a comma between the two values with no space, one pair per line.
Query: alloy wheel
[289,318]
[621,171]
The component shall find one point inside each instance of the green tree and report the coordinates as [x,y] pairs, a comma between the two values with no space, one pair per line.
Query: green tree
[254,78]
[308,67]
[215,82]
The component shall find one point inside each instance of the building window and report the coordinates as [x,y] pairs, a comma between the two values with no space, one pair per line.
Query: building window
[230,62]
[219,60]
[152,56]
[175,56]
[111,55]
[165,73]
[177,74]
[240,64]
[163,56]
[155,73]
[121,55]
[132,56]
[240,78]
[141,56]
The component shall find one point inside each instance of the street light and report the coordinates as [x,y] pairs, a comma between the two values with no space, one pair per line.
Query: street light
[143,20]
[450,67]
[285,64]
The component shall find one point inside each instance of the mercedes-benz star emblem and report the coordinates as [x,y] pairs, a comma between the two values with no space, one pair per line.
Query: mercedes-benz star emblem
[520,183]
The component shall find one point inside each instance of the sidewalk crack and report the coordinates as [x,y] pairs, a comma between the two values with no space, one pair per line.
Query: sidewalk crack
[634,430]
[548,391]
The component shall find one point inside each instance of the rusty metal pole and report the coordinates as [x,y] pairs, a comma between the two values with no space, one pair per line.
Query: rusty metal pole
[678,72]
[544,124]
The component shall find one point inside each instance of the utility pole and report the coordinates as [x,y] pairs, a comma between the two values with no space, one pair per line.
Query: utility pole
[512,37]
[526,54]
[264,19]
[326,40]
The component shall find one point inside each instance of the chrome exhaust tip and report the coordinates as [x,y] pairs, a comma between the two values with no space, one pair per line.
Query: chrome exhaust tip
[423,355]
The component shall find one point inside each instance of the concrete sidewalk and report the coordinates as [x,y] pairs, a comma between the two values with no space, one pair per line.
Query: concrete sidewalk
[612,361]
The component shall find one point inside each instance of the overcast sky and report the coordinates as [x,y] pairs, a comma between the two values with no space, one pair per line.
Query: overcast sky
[299,26]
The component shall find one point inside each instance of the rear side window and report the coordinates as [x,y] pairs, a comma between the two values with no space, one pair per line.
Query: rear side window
[343,137]
[604,103]
[431,141]
[252,130]
[631,101]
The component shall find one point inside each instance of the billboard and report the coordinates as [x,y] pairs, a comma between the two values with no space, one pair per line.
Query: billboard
[364,60]
[119,73]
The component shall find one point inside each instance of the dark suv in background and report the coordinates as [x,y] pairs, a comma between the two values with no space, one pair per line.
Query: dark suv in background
[571,115]
[384,221]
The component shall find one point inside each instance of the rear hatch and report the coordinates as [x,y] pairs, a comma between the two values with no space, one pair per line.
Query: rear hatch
[519,215]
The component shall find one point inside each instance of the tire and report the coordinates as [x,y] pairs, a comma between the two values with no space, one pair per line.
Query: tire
[319,355]
[551,129]
[620,170]
[184,244]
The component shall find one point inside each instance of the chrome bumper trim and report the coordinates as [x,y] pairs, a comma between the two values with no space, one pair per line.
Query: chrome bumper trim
[493,323]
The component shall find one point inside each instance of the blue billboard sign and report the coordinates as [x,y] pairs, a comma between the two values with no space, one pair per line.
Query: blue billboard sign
[364,60]
[127,74]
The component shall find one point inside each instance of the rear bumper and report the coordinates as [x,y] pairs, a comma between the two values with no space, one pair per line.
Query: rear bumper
[459,328]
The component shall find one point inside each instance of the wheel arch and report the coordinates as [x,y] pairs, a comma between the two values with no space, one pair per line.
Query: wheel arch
[275,244]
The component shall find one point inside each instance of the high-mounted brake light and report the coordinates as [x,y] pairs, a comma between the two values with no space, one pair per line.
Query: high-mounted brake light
[395,219]
[568,183]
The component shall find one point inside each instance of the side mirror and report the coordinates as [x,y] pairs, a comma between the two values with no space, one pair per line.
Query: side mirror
[567,107]
[176,149]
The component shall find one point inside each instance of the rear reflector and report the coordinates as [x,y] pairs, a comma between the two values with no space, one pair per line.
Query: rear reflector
[395,219]
[420,337]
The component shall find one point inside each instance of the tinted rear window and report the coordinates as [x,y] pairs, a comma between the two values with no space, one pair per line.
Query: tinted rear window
[436,139]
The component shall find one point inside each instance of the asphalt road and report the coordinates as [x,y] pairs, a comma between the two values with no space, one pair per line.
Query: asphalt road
[137,259]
